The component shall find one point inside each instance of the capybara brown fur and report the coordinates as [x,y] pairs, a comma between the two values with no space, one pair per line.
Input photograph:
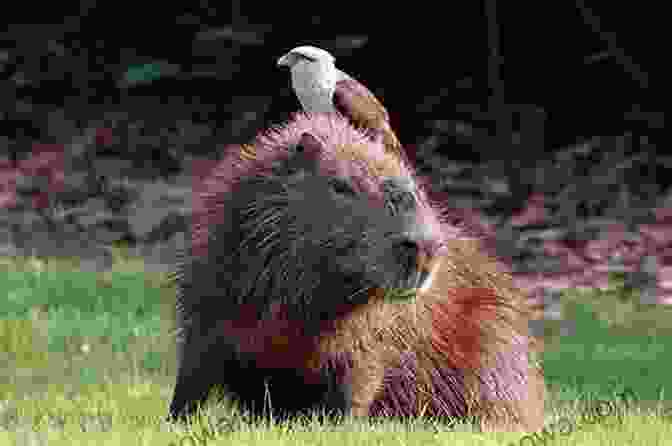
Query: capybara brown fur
[320,276]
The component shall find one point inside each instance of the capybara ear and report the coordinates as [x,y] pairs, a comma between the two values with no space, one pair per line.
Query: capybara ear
[307,154]
[309,145]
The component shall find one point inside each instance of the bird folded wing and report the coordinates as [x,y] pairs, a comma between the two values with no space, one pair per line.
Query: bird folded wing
[358,104]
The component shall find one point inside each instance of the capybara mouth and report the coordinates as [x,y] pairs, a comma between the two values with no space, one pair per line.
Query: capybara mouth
[400,294]
[421,282]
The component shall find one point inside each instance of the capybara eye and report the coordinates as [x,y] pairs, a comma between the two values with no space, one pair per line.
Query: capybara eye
[403,201]
[399,199]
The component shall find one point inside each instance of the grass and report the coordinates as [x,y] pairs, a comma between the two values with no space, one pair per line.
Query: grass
[89,357]
[616,343]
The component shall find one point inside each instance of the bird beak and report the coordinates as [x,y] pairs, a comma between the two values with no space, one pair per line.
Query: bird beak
[284,61]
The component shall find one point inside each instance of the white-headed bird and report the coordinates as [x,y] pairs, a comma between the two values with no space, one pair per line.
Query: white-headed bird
[323,88]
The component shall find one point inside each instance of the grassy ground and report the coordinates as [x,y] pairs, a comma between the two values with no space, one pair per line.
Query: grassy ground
[89,358]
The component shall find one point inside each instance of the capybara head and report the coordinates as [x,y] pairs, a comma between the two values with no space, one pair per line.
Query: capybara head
[317,214]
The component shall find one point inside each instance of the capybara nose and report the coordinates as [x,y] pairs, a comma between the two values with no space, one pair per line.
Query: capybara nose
[408,251]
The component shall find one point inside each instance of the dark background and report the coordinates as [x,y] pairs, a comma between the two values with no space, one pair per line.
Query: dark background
[425,63]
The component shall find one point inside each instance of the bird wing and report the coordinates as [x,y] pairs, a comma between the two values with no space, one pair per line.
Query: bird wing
[353,100]
[353,95]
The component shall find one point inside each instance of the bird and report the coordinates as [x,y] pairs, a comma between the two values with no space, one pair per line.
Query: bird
[323,88]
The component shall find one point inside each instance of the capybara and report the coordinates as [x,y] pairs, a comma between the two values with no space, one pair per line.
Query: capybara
[321,276]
